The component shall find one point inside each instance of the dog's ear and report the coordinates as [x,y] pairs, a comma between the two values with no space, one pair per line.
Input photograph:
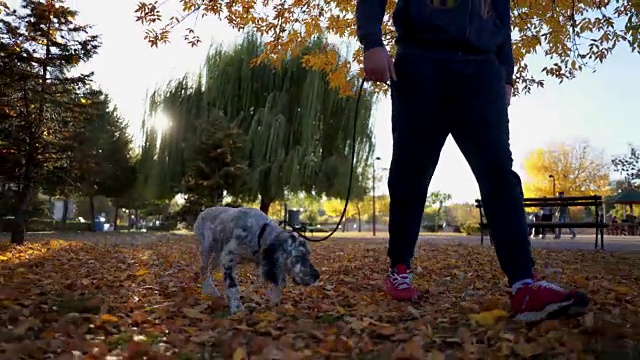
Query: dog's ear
[271,262]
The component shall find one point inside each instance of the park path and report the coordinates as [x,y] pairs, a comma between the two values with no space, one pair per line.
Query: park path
[584,242]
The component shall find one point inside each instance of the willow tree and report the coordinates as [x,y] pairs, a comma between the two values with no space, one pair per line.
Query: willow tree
[298,130]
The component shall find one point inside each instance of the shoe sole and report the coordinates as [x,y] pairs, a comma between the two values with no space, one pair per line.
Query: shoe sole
[568,309]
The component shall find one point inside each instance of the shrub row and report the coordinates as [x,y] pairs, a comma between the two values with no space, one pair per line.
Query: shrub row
[35,225]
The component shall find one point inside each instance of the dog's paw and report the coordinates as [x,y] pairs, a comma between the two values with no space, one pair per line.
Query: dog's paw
[235,308]
[275,294]
[209,289]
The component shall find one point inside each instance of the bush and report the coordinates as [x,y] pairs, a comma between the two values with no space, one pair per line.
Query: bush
[470,228]
[429,227]
[164,226]
[73,225]
[37,225]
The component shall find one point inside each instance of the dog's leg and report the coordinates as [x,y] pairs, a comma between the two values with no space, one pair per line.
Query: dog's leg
[272,271]
[209,263]
[228,260]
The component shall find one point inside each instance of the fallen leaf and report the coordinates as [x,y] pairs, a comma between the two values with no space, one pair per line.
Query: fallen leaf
[142,272]
[240,354]
[488,318]
[588,320]
[108,318]
[195,314]
[266,316]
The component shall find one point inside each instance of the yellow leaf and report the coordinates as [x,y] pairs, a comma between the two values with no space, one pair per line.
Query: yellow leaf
[622,290]
[266,316]
[340,309]
[142,272]
[240,354]
[108,318]
[195,314]
[488,318]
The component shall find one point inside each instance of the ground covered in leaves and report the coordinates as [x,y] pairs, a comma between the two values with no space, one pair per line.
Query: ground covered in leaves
[123,296]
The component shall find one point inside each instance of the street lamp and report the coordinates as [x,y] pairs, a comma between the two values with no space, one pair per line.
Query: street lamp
[374,193]
[554,183]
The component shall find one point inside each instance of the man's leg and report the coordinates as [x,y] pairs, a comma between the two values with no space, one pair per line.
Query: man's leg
[561,219]
[481,130]
[419,132]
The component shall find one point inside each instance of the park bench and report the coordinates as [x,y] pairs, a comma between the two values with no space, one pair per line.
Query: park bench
[569,201]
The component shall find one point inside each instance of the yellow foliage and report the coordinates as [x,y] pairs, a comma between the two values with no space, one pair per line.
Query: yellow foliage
[578,168]
[288,24]
[334,207]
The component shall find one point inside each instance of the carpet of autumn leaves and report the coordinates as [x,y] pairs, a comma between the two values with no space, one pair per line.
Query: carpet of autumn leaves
[98,296]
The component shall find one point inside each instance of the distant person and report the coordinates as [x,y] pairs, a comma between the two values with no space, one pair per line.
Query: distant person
[532,219]
[601,222]
[547,216]
[132,222]
[563,217]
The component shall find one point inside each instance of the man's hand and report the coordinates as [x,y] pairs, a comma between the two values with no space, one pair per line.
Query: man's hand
[378,65]
[508,89]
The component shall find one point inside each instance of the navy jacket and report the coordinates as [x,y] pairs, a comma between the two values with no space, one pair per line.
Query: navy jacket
[471,27]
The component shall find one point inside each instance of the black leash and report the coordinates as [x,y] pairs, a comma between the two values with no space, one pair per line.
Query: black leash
[353,165]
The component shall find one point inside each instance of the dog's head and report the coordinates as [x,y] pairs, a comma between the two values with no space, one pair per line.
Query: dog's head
[291,252]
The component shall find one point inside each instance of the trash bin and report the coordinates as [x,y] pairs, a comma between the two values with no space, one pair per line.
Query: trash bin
[97,225]
[293,217]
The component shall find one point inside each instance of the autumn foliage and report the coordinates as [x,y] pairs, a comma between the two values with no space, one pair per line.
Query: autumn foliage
[573,35]
[137,296]
[579,169]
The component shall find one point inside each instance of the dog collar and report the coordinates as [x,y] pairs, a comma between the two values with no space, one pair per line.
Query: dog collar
[263,229]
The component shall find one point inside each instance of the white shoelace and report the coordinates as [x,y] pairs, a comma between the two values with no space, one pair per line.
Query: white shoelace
[401,281]
[541,283]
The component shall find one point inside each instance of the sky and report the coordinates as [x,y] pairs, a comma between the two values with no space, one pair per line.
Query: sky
[598,107]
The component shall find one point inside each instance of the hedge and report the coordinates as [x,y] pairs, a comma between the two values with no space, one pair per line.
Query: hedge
[36,225]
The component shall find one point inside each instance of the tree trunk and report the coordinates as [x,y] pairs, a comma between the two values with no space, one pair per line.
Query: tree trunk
[115,219]
[19,229]
[92,209]
[359,218]
[265,204]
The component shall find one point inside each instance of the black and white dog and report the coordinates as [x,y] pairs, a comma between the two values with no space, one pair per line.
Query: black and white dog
[230,235]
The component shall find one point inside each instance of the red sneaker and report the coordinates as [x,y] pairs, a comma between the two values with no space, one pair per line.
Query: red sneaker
[399,284]
[543,300]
